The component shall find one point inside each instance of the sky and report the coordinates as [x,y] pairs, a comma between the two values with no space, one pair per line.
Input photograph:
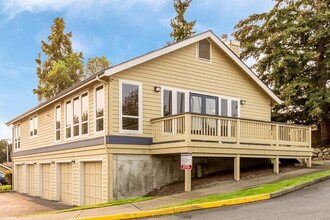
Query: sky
[117,29]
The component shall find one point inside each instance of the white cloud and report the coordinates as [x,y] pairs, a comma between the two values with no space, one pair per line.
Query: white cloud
[12,70]
[11,8]
[87,44]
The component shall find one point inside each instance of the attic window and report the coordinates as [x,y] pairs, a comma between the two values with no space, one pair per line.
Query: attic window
[204,50]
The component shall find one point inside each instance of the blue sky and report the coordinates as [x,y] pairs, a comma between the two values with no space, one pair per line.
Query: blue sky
[117,29]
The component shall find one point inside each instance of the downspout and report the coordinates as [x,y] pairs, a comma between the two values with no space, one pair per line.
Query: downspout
[106,134]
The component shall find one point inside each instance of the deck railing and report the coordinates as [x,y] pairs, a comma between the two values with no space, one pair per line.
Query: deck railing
[197,127]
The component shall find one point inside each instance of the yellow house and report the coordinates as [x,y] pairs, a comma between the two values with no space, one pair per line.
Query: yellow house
[120,132]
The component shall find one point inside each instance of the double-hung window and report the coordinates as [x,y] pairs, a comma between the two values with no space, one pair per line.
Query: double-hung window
[58,123]
[130,107]
[17,139]
[68,119]
[99,109]
[76,116]
[33,124]
[84,114]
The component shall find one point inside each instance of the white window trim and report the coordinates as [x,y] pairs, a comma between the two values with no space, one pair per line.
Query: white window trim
[197,52]
[34,135]
[61,124]
[187,107]
[140,116]
[17,139]
[174,99]
[80,136]
[104,105]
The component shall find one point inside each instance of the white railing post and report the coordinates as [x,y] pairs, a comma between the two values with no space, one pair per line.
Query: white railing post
[277,135]
[238,131]
[187,126]
[310,137]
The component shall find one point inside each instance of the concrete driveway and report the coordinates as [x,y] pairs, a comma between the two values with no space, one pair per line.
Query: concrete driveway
[14,204]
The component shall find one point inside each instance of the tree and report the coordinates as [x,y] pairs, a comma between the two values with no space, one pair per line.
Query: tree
[63,66]
[96,64]
[181,28]
[3,151]
[291,46]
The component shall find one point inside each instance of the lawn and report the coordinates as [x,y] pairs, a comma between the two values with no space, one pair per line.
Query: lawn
[5,188]
[264,189]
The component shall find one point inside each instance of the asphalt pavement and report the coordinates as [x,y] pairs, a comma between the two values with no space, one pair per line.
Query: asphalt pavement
[310,203]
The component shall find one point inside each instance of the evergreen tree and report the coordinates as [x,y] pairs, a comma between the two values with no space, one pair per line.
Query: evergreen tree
[291,46]
[96,64]
[181,28]
[63,66]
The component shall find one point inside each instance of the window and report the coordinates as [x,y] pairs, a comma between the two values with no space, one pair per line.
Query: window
[68,119]
[203,104]
[130,106]
[84,114]
[229,107]
[17,139]
[204,50]
[174,102]
[33,124]
[58,123]
[99,106]
[76,116]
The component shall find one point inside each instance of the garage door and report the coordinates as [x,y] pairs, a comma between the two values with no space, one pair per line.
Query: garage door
[45,181]
[19,177]
[92,183]
[31,179]
[66,183]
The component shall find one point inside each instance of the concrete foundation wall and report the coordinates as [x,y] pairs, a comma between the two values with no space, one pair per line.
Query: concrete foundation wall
[136,175]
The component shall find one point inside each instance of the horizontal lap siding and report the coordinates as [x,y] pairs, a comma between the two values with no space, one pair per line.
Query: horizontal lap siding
[46,122]
[180,69]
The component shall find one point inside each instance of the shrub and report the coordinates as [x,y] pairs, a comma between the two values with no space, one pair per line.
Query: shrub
[9,176]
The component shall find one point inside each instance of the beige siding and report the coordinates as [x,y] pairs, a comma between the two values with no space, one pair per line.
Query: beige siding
[46,122]
[181,69]
[79,156]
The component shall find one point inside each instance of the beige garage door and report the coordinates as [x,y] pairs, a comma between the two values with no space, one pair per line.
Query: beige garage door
[66,183]
[45,180]
[31,179]
[92,183]
[19,177]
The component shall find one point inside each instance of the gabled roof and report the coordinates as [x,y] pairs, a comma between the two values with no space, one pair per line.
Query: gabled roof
[146,57]
[208,34]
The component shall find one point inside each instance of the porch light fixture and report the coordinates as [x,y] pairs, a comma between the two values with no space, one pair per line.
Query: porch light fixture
[73,161]
[53,162]
[243,102]
[157,89]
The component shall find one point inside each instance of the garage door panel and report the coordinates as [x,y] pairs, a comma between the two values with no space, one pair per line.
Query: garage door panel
[31,180]
[46,181]
[66,183]
[92,183]
[19,178]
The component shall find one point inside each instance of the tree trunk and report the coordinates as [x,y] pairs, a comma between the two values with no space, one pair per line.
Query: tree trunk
[325,131]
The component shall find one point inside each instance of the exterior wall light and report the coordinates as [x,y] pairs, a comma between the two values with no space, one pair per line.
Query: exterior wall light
[157,89]
[243,102]
[73,161]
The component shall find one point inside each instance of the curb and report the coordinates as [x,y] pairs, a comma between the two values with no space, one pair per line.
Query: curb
[187,208]
[208,205]
[298,187]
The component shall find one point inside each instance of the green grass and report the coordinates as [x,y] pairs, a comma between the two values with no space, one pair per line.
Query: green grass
[264,189]
[117,202]
[5,188]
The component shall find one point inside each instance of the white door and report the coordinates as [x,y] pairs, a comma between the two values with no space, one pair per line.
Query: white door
[19,177]
[45,181]
[66,183]
[92,183]
[31,179]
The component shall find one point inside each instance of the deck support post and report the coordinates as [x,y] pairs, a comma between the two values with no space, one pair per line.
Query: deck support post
[237,167]
[309,162]
[276,165]
[187,180]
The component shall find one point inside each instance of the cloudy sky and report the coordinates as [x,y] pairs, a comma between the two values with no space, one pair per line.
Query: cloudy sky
[117,29]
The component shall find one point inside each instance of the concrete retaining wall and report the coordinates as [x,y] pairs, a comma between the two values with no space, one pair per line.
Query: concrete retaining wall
[136,175]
